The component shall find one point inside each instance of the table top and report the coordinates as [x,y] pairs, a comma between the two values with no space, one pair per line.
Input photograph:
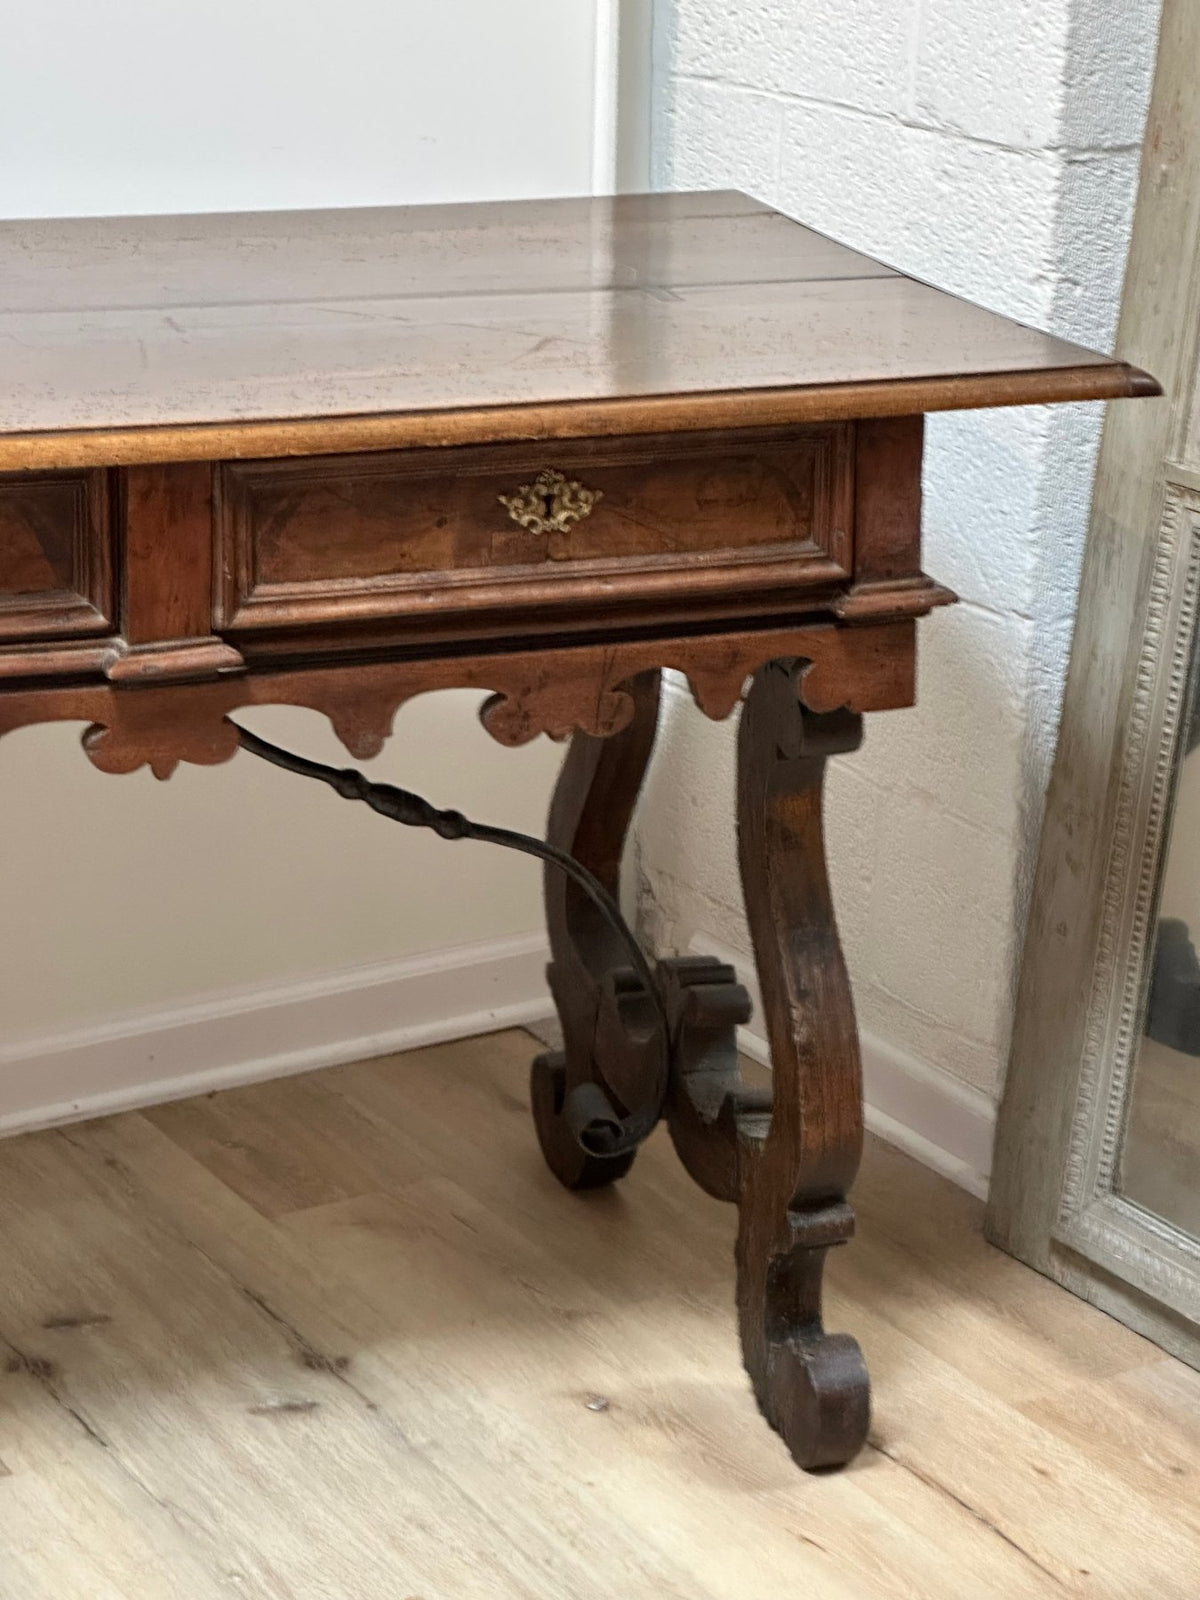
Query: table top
[268,333]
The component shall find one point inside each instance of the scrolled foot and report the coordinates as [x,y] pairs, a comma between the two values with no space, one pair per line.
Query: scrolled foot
[811,1386]
[571,1164]
[815,1393]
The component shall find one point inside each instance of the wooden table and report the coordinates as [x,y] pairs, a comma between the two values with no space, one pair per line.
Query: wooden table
[336,459]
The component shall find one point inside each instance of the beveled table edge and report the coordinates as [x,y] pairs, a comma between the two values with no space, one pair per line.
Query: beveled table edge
[573,419]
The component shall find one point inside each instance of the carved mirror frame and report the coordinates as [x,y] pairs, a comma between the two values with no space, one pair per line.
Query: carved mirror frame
[1056,1200]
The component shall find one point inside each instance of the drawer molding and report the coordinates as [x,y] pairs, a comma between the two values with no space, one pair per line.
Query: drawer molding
[496,535]
[56,566]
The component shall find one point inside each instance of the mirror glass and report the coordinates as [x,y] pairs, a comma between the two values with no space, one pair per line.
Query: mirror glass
[1160,1166]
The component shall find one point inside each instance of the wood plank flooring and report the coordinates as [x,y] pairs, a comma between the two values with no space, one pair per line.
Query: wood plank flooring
[341,1337]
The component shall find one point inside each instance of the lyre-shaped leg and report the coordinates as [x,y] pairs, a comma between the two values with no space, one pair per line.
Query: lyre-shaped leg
[788,1157]
[795,1169]
[610,1029]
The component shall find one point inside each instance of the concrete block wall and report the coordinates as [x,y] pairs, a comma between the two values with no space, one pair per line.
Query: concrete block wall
[991,147]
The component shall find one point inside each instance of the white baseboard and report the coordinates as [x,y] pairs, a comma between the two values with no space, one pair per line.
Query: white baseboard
[921,1109]
[244,1036]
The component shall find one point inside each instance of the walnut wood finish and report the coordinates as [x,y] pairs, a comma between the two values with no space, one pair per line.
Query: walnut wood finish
[812,1386]
[167,600]
[265,561]
[787,1156]
[424,533]
[611,1035]
[219,337]
[281,471]
[568,419]
[580,688]
[55,555]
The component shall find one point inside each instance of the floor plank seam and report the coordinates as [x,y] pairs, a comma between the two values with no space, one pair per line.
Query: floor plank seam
[42,1372]
[978,1516]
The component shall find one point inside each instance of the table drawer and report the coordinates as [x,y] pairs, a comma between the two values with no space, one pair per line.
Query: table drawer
[419,533]
[55,555]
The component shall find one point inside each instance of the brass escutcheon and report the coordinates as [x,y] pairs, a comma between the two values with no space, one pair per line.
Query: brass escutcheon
[551,503]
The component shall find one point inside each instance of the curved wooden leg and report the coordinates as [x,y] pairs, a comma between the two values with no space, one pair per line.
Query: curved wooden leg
[610,1029]
[796,1167]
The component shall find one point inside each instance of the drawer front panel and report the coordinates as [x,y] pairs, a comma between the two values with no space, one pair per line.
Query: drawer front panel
[419,532]
[55,555]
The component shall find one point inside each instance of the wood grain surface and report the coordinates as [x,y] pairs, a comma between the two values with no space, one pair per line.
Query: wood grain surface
[345,317]
[423,534]
[440,511]
[56,557]
[574,688]
[344,1334]
[796,1173]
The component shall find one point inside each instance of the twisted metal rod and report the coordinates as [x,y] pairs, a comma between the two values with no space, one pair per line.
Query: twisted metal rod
[596,1123]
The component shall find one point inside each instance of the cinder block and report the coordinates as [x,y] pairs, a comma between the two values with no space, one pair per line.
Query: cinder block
[856,53]
[961,745]
[1058,530]
[1097,195]
[686,818]
[854,809]
[941,925]
[713,136]
[687,837]
[982,501]
[993,71]
[1109,72]
[979,1062]
[748,43]
[972,218]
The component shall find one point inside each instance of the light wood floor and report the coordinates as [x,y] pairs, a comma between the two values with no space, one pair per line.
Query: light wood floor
[342,1338]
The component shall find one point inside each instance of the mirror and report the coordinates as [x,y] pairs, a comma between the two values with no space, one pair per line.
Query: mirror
[1160,1161]
[1097,1172]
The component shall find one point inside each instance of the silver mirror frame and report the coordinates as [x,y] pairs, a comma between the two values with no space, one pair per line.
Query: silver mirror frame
[1094,1218]
[1056,1200]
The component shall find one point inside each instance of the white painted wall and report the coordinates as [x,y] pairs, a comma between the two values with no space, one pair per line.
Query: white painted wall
[125,900]
[990,146]
[221,105]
